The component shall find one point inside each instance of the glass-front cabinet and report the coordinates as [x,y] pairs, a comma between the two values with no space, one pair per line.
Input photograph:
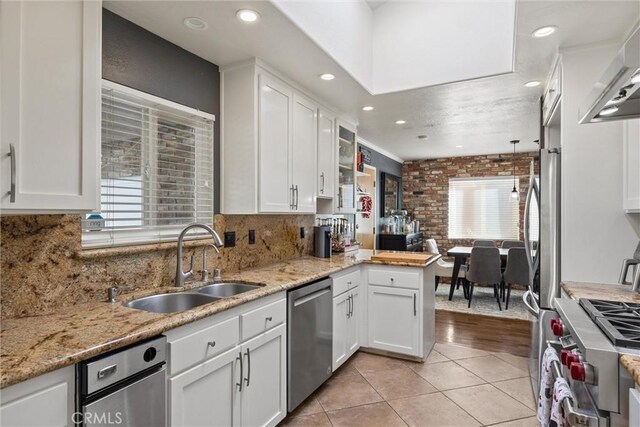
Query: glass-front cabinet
[345,200]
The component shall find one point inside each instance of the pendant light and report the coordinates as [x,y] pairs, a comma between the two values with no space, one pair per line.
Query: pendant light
[515,195]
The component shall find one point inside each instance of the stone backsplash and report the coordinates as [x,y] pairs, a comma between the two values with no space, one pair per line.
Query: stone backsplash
[426,188]
[43,267]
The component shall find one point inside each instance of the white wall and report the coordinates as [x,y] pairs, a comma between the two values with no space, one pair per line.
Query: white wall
[413,42]
[596,233]
[341,28]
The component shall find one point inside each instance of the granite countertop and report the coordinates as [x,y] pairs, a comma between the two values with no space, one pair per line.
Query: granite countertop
[623,293]
[35,345]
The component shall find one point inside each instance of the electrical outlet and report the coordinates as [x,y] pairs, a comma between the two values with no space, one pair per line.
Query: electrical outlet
[302,232]
[229,239]
[252,237]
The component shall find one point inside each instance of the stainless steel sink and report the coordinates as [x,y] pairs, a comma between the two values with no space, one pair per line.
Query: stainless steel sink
[223,290]
[171,303]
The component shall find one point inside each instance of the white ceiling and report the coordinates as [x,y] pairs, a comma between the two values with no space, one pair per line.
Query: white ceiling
[374,4]
[482,115]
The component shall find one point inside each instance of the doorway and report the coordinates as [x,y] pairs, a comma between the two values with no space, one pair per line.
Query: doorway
[366,219]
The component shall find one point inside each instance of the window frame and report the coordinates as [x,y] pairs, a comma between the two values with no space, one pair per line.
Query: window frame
[123,238]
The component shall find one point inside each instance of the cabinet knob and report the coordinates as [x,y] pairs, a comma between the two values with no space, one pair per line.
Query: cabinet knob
[211,344]
[392,280]
[269,319]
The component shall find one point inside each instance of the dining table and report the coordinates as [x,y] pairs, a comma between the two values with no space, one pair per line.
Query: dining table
[460,254]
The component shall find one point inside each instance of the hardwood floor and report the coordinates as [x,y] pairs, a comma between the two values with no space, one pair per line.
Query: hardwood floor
[483,332]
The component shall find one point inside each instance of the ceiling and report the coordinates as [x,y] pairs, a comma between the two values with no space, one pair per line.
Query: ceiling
[374,4]
[480,115]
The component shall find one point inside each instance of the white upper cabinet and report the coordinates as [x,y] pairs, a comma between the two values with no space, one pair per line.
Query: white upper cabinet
[326,155]
[50,103]
[278,147]
[345,200]
[552,92]
[631,173]
[303,154]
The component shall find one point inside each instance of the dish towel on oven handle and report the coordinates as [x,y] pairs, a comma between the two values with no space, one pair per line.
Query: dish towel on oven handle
[545,389]
[561,391]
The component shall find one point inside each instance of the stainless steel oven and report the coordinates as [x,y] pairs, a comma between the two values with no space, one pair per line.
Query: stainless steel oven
[126,387]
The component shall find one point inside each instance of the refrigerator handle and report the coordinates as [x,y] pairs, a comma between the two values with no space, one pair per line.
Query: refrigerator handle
[530,303]
[533,190]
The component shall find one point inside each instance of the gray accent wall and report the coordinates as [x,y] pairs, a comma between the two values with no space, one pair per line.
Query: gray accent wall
[137,58]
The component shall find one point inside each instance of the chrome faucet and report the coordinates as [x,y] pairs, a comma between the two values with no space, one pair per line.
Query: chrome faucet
[182,276]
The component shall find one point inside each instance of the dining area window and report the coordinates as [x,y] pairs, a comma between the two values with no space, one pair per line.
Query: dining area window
[482,208]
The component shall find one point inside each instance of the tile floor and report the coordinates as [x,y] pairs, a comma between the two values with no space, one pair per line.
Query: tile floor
[456,386]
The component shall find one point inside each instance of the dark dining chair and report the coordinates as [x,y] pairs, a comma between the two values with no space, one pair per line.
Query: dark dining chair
[484,243]
[507,244]
[517,271]
[484,269]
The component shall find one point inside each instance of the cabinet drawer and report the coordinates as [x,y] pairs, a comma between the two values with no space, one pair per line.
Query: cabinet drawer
[344,282]
[394,277]
[195,348]
[263,319]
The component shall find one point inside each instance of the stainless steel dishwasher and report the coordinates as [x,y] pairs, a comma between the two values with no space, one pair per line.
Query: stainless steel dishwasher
[310,339]
[126,387]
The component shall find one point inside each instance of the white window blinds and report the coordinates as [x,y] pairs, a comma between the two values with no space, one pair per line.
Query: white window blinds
[156,169]
[482,208]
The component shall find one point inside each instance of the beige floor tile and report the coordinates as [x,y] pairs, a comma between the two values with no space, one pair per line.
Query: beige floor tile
[488,405]
[397,383]
[314,420]
[375,414]
[366,362]
[517,361]
[435,357]
[347,368]
[524,422]
[491,369]
[346,391]
[431,410]
[454,351]
[519,389]
[447,375]
[308,407]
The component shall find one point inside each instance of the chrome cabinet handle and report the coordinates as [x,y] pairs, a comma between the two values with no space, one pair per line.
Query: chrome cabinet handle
[291,197]
[415,310]
[105,372]
[239,358]
[211,344]
[322,177]
[12,191]
[297,194]
[351,315]
[268,319]
[248,379]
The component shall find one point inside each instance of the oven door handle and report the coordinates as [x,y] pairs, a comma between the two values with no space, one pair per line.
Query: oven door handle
[532,307]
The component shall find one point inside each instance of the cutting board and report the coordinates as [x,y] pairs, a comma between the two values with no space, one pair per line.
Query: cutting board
[403,257]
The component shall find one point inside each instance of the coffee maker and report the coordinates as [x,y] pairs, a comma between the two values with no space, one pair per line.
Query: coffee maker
[322,241]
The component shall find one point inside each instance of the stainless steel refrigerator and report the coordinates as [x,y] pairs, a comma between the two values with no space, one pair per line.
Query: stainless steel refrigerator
[542,242]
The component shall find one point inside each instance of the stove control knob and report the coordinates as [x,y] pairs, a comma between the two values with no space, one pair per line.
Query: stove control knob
[572,358]
[563,356]
[578,372]
[557,327]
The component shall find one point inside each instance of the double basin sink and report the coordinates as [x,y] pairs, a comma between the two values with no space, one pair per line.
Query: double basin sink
[181,301]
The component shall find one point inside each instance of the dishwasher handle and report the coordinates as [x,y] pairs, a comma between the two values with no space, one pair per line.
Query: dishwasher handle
[310,297]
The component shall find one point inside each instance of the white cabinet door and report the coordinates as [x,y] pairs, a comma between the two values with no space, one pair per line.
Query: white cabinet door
[264,393]
[50,102]
[340,326]
[47,400]
[353,324]
[631,172]
[394,319]
[326,155]
[304,164]
[276,99]
[208,394]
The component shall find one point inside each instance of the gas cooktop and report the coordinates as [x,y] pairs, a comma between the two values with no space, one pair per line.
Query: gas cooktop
[620,321]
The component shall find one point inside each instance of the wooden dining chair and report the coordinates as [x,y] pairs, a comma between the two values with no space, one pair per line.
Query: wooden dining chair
[484,243]
[517,271]
[484,269]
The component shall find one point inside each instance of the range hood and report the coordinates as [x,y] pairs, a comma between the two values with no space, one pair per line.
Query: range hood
[616,95]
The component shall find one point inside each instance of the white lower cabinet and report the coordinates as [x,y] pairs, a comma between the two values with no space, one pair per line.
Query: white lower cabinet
[243,386]
[348,310]
[394,320]
[47,400]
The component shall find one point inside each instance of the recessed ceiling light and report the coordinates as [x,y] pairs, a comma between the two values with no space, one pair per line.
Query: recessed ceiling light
[545,31]
[367,108]
[400,122]
[327,76]
[195,23]
[459,146]
[247,15]
[608,111]
[532,83]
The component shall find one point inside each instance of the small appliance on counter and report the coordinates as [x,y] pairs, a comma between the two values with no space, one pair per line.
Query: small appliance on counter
[322,241]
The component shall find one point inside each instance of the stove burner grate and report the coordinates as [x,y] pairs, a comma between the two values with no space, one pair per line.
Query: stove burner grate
[622,332]
[600,308]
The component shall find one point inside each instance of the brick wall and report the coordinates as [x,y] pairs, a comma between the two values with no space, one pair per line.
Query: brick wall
[425,185]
